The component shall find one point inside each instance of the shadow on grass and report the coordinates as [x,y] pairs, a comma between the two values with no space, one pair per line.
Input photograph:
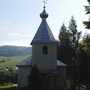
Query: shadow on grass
[12,88]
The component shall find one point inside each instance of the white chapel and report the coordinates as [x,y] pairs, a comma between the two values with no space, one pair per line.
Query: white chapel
[44,56]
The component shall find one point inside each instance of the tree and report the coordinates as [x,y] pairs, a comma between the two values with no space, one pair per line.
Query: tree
[75,45]
[86,43]
[64,35]
[84,61]
[73,26]
[87,8]
[75,35]
[73,30]
[64,47]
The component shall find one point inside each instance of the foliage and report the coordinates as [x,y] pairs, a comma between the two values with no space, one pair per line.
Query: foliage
[69,41]
[73,26]
[87,23]
[69,52]
[64,35]
[74,32]
[86,42]
[83,61]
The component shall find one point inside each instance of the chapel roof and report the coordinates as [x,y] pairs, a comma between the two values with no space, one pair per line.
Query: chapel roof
[60,63]
[28,62]
[43,34]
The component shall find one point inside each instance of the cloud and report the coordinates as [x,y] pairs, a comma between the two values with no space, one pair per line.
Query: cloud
[16,42]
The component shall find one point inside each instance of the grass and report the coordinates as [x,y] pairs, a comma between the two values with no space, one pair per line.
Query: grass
[12,88]
[8,86]
[11,61]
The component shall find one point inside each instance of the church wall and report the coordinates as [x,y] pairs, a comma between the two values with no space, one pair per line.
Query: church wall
[23,75]
[44,61]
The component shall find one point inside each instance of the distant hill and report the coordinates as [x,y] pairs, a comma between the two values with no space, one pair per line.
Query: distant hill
[9,51]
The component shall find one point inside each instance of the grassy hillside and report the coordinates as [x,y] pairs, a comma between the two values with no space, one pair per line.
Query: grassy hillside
[10,56]
[11,61]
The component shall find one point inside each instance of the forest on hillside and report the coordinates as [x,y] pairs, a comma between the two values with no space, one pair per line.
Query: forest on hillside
[9,51]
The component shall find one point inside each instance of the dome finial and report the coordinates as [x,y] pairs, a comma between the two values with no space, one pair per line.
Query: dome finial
[44,15]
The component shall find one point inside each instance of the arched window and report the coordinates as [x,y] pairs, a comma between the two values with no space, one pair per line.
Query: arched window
[45,50]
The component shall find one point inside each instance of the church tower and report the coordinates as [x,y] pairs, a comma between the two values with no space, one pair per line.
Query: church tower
[44,46]
[44,56]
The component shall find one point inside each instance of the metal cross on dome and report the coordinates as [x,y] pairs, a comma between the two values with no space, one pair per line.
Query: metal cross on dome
[45,2]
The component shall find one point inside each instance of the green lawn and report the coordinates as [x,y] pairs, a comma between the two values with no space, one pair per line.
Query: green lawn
[8,87]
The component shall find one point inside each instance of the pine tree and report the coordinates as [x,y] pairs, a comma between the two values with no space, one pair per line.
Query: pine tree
[75,34]
[73,30]
[64,48]
[87,8]
[73,26]
[75,42]
[64,36]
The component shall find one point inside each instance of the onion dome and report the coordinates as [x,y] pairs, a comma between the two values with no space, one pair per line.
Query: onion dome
[44,15]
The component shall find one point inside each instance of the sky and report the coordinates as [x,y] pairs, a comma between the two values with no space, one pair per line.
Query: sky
[20,19]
